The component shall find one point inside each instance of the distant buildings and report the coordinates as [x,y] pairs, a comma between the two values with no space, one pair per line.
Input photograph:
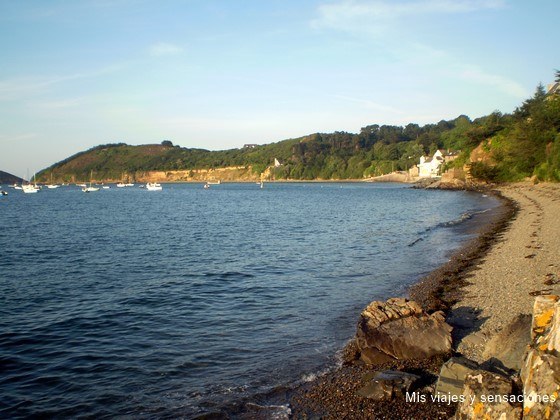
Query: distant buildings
[430,167]
[250,146]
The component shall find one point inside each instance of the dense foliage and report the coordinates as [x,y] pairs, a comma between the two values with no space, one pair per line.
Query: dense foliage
[518,145]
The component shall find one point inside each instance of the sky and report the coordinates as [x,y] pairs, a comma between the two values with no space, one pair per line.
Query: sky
[216,74]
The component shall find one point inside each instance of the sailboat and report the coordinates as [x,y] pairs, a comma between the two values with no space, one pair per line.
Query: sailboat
[153,186]
[90,188]
[122,183]
[30,188]
[51,185]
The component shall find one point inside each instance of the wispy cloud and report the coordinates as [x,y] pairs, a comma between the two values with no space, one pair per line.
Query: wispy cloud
[29,85]
[163,48]
[351,14]
[476,75]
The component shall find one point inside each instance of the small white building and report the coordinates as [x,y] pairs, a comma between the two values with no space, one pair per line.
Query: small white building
[429,167]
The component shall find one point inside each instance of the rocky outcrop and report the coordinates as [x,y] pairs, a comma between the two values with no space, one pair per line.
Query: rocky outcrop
[453,174]
[507,348]
[399,329]
[482,153]
[450,184]
[541,370]
[453,374]
[233,173]
[487,396]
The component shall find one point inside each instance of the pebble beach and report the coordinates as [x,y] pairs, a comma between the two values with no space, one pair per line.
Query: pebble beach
[485,286]
[523,263]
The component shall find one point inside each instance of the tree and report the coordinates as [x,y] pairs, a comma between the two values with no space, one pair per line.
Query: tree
[167,143]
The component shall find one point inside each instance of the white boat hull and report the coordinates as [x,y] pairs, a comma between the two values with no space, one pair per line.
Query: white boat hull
[29,189]
[154,187]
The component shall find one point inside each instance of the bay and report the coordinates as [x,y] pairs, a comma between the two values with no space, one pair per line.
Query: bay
[126,302]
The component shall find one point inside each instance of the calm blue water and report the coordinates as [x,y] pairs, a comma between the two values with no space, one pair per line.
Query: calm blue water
[133,303]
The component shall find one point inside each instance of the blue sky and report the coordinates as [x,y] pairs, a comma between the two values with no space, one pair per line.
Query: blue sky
[216,74]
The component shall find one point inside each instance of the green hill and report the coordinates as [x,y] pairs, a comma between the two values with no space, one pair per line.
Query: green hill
[340,155]
[522,144]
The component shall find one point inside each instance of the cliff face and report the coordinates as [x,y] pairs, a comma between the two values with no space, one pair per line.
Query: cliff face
[482,153]
[234,173]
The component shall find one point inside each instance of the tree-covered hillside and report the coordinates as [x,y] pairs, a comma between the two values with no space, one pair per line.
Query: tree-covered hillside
[526,143]
[340,155]
[518,145]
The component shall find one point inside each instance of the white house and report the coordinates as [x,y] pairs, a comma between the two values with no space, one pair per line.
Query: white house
[429,167]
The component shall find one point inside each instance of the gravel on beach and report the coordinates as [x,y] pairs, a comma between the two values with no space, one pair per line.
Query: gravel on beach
[484,286]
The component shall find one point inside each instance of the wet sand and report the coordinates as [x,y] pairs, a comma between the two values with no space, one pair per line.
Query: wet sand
[482,288]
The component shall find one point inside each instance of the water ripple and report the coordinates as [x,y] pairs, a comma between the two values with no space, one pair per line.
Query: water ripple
[123,304]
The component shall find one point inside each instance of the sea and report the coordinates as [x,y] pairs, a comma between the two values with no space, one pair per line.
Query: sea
[188,301]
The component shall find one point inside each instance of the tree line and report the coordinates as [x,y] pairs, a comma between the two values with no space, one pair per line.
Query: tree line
[521,144]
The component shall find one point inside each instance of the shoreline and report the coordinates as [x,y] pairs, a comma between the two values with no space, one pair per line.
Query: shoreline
[252,181]
[451,287]
[441,288]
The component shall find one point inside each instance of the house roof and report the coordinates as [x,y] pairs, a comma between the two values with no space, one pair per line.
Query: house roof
[449,152]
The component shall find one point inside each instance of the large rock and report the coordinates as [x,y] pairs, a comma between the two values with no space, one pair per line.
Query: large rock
[452,376]
[488,396]
[388,383]
[400,329]
[541,369]
[508,347]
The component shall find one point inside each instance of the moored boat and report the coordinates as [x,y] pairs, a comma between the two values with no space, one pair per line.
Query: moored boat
[29,189]
[90,188]
[153,186]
